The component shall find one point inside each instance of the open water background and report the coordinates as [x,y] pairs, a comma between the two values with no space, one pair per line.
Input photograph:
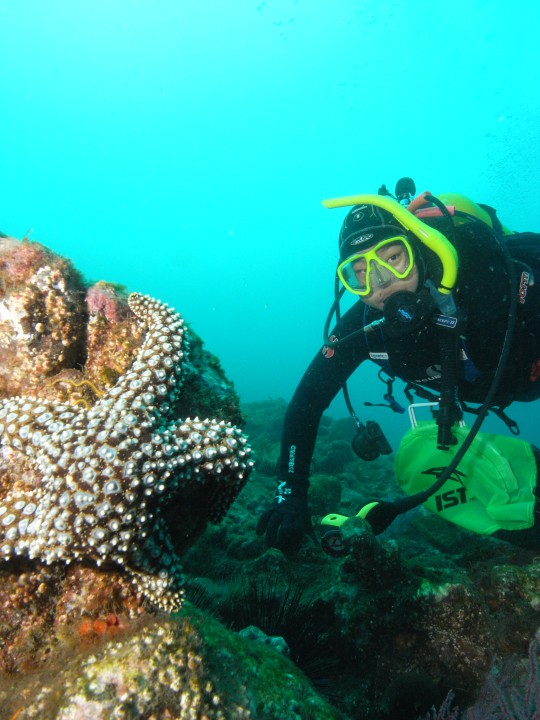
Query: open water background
[182,149]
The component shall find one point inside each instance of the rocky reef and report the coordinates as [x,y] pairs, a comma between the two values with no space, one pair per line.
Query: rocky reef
[388,631]
[120,440]
[187,667]
[133,584]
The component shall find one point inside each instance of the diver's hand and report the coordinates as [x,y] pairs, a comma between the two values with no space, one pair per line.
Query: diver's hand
[381,515]
[285,524]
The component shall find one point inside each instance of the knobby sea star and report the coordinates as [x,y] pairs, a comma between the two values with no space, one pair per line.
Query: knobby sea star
[107,472]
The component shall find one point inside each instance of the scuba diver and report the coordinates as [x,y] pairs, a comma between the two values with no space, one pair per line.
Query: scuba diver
[447,302]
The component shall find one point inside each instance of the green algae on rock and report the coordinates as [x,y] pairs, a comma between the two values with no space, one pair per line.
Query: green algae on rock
[188,668]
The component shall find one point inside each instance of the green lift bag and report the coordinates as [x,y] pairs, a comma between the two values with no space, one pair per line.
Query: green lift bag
[491,489]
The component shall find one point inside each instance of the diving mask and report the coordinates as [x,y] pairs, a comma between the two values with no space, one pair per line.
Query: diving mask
[389,260]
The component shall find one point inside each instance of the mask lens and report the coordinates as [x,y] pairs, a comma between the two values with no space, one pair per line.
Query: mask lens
[385,262]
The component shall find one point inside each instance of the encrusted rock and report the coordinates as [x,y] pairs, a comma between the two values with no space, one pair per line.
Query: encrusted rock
[102,487]
[188,668]
[42,316]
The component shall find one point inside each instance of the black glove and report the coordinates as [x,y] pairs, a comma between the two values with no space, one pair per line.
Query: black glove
[381,516]
[285,523]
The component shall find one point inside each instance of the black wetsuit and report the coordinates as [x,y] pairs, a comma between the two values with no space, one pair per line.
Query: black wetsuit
[482,294]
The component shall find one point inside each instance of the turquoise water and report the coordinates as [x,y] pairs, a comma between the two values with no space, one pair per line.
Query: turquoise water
[183,148]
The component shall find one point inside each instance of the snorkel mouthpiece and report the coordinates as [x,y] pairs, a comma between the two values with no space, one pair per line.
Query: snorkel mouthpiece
[427,235]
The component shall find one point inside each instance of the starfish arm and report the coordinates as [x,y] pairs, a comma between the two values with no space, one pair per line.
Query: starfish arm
[18,532]
[27,423]
[211,452]
[164,593]
[156,569]
[144,394]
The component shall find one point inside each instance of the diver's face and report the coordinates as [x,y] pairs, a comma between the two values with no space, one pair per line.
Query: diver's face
[382,282]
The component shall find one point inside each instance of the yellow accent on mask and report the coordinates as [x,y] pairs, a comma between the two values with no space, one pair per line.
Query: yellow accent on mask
[359,281]
[429,236]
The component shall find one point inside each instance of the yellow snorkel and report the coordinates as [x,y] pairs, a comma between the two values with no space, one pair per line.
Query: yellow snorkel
[427,235]
[403,310]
